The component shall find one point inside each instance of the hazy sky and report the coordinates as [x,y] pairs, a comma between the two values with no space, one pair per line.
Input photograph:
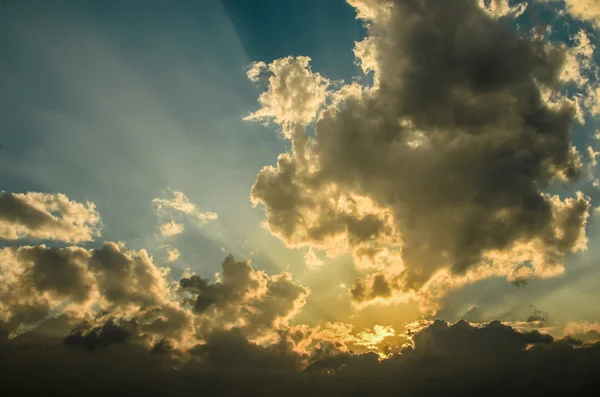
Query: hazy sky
[263,189]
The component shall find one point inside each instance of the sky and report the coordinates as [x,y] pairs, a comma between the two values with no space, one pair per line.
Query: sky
[329,197]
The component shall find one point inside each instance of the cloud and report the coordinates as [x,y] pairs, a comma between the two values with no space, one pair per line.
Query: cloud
[312,261]
[109,333]
[580,70]
[171,228]
[502,8]
[435,176]
[112,284]
[176,207]
[588,10]
[245,298]
[38,282]
[583,331]
[295,94]
[454,358]
[45,216]
[172,254]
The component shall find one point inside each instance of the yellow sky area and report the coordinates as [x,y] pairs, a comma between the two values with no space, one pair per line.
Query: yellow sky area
[329,299]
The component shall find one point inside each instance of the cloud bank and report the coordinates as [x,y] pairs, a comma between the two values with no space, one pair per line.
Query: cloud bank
[450,359]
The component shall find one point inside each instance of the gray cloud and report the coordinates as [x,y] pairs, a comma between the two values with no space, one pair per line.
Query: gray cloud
[245,297]
[444,161]
[106,286]
[36,282]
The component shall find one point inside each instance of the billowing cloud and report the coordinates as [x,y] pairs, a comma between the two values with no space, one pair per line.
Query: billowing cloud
[295,94]
[436,176]
[45,216]
[114,284]
[245,298]
[38,282]
[171,212]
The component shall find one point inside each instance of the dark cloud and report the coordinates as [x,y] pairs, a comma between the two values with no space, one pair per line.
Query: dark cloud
[239,279]
[15,210]
[37,279]
[108,287]
[458,359]
[109,333]
[230,352]
[538,316]
[127,277]
[448,156]
[376,286]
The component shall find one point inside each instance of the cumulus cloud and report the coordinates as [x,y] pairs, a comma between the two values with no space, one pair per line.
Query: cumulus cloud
[295,94]
[435,176]
[38,282]
[174,210]
[45,216]
[112,284]
[35,280]
[245,298]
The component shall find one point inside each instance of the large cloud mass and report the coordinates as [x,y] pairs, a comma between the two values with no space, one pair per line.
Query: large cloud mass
[439,171]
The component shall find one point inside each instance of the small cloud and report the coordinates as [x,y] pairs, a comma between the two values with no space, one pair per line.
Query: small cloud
[538,317]
[255,70]
[179,207]
[171,228]
[502,8]
[312,261]
[173,254]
